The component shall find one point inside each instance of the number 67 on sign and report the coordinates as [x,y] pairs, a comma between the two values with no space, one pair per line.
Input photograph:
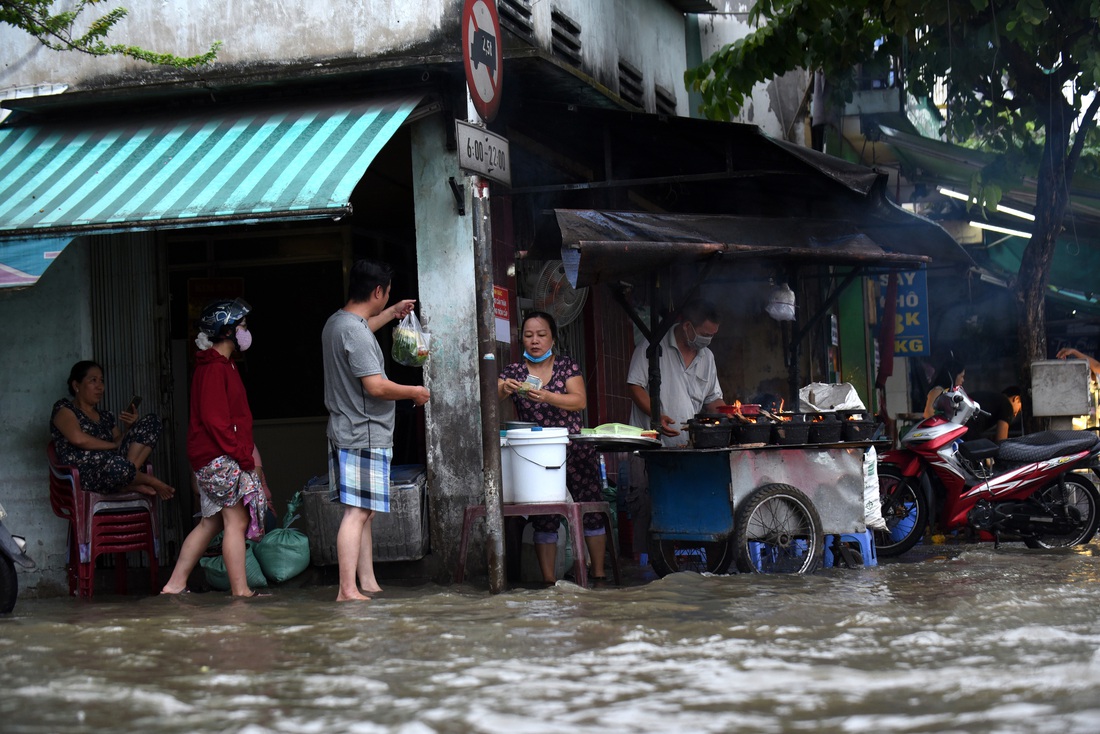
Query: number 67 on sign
[483,153]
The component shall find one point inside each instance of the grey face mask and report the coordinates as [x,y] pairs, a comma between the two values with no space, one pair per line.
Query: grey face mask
[700,342]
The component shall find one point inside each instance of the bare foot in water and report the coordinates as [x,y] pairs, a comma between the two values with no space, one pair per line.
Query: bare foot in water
[370,588]
[351,597]
[169,592]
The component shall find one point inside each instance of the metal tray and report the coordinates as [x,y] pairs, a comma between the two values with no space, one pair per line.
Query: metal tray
[615,443]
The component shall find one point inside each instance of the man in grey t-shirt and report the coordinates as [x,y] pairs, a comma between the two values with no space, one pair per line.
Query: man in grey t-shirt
[360,401]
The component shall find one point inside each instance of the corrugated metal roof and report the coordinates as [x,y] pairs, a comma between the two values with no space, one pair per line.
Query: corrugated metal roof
[287,162]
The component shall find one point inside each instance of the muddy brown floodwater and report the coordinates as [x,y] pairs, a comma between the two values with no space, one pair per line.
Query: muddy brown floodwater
[961,638]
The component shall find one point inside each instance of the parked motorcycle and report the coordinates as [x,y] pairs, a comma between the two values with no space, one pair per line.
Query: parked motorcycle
[1029,488]
[12,551]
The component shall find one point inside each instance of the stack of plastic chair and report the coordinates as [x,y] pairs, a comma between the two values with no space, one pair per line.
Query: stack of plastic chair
[102,523]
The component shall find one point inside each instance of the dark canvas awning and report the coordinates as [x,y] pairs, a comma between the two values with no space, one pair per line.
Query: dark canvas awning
[604,245]
[683,166]
[285,162]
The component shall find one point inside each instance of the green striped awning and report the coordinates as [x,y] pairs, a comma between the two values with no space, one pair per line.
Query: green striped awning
[284,162]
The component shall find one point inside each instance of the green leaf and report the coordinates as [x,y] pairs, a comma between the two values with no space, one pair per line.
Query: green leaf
[56,30]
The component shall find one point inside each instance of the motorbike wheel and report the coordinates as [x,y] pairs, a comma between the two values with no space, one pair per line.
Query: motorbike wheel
[1081,500]
[905,510]
[672,556]
[778,530]
[9,585]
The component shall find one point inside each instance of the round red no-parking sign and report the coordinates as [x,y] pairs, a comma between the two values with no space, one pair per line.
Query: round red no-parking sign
[481,55]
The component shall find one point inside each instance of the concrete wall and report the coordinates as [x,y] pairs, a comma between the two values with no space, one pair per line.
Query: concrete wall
[647,34]
[775,106]
[308,36]
[44,330]
[255,34]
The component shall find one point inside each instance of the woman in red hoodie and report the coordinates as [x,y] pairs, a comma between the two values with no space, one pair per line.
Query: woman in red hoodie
[220,449]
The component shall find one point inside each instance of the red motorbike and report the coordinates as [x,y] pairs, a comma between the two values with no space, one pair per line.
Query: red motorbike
[1027,488]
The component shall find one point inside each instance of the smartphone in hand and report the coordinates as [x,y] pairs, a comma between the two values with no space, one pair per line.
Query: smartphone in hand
[135,403]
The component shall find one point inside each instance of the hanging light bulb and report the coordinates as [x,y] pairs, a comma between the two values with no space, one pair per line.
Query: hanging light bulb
[780,304]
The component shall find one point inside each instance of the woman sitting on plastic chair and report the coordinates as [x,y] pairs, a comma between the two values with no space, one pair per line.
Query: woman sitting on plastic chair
[110,454]
[557,401]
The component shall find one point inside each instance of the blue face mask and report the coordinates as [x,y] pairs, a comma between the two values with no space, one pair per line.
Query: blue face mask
[537,360]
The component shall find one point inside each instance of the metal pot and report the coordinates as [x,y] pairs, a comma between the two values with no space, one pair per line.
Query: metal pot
[752,433]
[709,431]
[826,430]
[856,430]
[788,433]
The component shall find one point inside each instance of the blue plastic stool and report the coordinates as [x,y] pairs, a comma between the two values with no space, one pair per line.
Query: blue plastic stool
[759,553]
[865,541]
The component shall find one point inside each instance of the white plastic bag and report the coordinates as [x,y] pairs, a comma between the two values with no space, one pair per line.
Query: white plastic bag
[822,397]
[872,504]
[410,342]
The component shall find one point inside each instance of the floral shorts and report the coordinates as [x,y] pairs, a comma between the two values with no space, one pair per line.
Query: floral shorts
[222,483]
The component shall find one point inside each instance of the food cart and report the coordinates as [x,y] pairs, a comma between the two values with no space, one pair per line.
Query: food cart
[765,507]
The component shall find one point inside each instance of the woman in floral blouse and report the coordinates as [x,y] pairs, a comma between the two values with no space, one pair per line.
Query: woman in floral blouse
[110,452]
[557,404]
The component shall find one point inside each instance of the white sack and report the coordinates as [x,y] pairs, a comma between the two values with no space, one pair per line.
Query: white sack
[821,397]
[872,504]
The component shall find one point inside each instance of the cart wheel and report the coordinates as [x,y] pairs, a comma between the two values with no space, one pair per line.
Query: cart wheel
[778,531]
[670,556]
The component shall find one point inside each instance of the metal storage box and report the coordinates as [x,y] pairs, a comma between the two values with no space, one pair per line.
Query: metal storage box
[399,535]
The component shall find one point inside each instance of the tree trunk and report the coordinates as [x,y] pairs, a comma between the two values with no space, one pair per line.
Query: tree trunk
[1052,194]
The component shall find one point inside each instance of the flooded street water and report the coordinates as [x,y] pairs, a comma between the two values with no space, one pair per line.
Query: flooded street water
[956,638]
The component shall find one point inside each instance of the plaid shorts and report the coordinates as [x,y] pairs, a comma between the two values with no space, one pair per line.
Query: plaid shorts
[360,477]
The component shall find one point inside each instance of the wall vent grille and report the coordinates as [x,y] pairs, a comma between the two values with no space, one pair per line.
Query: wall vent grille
[630,85]
[665,101]
[565,37]
[515,16]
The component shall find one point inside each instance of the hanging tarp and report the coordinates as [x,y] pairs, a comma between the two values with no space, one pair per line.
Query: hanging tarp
[599,245]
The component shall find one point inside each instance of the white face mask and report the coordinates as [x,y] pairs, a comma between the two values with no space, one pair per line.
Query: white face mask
[244,339]
[699,342]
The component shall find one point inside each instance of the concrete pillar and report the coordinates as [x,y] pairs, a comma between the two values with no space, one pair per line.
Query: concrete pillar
[445,261]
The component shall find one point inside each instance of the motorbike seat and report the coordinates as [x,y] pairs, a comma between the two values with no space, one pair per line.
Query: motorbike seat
[978,449]
[1046,445]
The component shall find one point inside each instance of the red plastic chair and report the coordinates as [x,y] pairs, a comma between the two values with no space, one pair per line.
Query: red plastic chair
[102,523]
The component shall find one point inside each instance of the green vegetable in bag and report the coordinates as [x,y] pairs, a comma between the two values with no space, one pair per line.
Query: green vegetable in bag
[410,342]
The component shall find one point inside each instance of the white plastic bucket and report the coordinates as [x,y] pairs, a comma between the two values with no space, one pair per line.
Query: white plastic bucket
[507,492]
[538,464]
